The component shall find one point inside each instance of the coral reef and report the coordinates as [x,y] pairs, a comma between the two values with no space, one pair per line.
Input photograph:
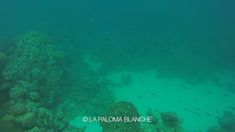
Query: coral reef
[88,96]
[34,58]
[121,109]
[34,67]
[170,120]
[31,81]
[3,85]
[163,122]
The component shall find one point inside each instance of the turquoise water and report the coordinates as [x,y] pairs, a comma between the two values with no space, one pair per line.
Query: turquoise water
[173,61]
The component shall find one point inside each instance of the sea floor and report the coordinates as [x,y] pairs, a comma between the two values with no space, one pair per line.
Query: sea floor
[198,106]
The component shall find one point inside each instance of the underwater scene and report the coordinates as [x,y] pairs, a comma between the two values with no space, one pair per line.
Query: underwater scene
[117,66]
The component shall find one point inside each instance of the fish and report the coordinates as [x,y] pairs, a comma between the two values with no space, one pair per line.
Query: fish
[208,114]
[187,109]
[140,97]
[226,95]
[154,95]
[209,91]
[197,109]
[232,107]
[183,86]
[92,20]
[217,112]
[197,113]
[179,101]
[207,105]
[141,81]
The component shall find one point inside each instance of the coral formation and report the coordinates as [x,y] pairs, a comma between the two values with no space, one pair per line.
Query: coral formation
[33,71]
[3,84]
[163,122]
[170,119]
[31,82]
[88,96]
[121,109]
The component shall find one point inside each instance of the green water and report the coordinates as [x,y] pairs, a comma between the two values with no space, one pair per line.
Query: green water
[61,61]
